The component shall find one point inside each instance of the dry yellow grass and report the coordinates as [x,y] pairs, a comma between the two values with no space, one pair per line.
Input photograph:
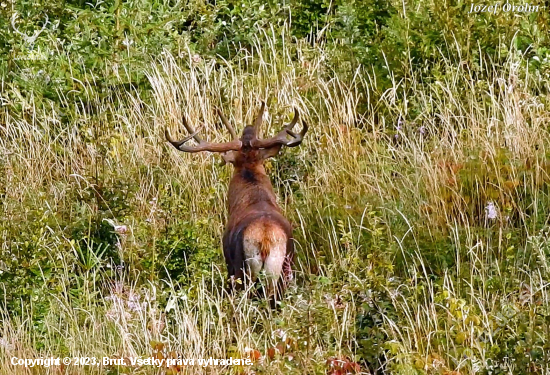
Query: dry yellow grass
[361,175]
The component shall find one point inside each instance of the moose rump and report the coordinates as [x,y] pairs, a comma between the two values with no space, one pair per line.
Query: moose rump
[260,242]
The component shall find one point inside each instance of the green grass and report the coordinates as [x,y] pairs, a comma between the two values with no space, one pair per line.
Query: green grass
[399,266]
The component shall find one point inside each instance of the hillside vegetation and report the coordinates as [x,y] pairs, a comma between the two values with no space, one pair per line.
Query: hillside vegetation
[419,197]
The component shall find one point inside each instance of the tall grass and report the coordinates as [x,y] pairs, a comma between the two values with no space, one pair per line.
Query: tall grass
[401,265]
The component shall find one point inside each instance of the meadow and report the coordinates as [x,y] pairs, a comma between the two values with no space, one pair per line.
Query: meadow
[419,196]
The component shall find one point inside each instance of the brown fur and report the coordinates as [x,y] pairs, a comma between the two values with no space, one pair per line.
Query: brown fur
[254,213]
[257,236]
[265,233]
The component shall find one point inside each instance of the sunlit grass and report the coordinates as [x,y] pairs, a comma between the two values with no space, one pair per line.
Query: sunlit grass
[388,198]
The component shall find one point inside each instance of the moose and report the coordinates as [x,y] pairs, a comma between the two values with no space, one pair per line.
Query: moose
[257,236]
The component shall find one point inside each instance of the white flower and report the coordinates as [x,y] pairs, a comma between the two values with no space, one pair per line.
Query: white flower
[196,58]
[121,229]
[134,304]
[279,333]
[491,211]
[127,42]
[5,344]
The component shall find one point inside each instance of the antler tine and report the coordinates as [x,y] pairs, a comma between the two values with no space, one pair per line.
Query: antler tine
[202,145]
[281,137]
[259,119]
[289,127]
[297,137]
[189,128]
[227,124]
[175,143]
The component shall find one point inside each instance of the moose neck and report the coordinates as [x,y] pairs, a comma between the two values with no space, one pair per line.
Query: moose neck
[250,187]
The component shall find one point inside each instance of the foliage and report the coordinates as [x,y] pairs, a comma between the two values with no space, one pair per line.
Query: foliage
[419,198]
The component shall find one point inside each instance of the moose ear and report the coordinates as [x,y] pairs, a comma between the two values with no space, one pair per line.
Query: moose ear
[266,153]
[229,157]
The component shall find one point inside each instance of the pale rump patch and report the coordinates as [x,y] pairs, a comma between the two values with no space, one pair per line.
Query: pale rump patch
[265,249]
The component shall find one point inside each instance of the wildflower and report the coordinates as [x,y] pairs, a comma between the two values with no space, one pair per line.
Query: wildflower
[398,128]
[279,333]
[399,123]
[121,229]
[196,58]
[491,211]
[118,287]
[127,42]
[134,304]
[422,130]
[5,344]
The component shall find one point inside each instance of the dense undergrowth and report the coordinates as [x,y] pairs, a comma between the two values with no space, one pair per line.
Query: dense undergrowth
[419,197]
